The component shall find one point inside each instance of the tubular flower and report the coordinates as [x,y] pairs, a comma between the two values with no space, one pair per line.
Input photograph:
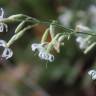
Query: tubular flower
[7,52]
[43,54]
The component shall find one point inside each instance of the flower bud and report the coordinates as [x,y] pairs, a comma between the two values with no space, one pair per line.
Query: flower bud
[81,28]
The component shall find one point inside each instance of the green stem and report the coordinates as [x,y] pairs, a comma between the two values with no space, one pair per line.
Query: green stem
[53,29]
[45,35]
[89,48]
[51,44]
[21,17]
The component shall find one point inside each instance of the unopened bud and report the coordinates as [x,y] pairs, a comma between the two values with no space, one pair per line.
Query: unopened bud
[81,28]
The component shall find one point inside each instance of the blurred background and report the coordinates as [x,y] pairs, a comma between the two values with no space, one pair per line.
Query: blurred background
[25,74]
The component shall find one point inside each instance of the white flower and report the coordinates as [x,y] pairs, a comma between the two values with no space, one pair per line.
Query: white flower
[36,46]
[92,73]
[2,25]
[7,53]
[43,54]
[79,39]
[46,56]
[82,42]
[2,43]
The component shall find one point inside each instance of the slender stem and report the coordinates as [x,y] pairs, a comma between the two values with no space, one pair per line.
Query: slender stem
[21,17]
[90,47]
[45,36]
[17,18]
[86,33]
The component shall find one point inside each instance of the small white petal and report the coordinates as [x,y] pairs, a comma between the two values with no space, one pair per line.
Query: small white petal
[94,77]
[51,58]
[36,46]
[41,55]
[82,42]
[7,53]
[79,39]
[92,73]
[2,43]
[46,56]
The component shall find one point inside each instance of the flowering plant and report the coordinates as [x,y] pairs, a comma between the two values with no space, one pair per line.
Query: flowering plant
[45,48]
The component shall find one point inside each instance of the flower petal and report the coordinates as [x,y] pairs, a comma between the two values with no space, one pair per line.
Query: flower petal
[51,58]
[7,53]
[92,73]
[2,43]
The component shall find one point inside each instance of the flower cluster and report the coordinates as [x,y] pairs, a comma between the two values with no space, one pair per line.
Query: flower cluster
[92,73]
[57,39]
[7,53]
[43,54]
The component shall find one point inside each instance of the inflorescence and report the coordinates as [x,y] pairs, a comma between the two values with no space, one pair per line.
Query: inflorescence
[83,37]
